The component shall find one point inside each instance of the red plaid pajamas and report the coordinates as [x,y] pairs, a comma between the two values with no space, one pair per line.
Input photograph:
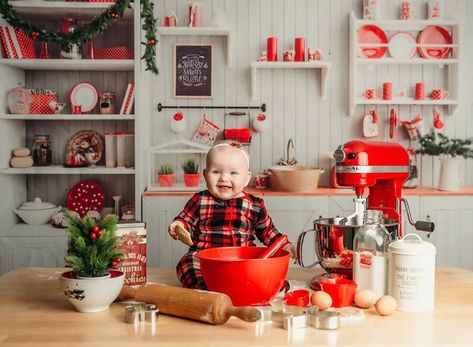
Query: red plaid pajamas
[217,223]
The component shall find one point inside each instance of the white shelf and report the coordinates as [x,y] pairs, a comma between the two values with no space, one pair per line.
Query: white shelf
[177,187]
[27,230]
[451,64]
[324,66]
[198,31]
[70,64]
[68,116]
[52,10]
[406,101]
[61,170]
[412,61]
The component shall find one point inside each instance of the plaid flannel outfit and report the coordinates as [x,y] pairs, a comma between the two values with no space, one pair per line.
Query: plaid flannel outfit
[217,223]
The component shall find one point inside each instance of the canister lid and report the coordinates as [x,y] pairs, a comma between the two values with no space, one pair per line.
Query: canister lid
[412,246]
[36,205]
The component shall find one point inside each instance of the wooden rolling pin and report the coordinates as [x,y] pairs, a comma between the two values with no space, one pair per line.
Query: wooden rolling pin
[209,307]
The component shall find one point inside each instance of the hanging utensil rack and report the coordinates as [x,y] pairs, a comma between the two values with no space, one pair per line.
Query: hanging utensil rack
[262,107]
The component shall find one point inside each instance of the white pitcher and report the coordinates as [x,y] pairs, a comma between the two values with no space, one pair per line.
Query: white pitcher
[449,179]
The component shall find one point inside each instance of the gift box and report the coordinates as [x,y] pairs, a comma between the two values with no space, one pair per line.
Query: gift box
[242,135]
[120,52]
[132,240]
[41,100]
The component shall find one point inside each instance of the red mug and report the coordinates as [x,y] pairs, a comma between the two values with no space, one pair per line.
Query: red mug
[370,94]
[439,94]
[169,21]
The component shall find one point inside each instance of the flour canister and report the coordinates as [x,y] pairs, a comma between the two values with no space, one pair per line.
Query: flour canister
[412,273]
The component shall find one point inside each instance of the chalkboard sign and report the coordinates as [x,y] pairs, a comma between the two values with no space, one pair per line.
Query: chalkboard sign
[192,71]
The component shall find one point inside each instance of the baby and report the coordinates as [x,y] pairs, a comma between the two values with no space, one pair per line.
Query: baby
[223,215]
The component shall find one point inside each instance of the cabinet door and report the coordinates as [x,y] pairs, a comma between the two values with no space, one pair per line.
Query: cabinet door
[158,213]
[16,252]
[453,235]
[294,214]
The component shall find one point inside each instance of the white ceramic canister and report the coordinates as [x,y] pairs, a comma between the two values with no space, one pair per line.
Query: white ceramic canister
[412,273]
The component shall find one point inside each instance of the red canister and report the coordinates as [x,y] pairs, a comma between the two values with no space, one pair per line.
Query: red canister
[299,46]
[272,48]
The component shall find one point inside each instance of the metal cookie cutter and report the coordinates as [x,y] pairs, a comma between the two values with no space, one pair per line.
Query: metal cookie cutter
[302,320]
[136,313]
[327,320]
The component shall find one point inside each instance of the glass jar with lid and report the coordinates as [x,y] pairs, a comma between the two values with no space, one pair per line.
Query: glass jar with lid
[41,150]
[107,103]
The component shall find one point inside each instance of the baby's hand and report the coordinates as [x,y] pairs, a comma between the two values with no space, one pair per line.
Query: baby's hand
[171,228]
[291,249]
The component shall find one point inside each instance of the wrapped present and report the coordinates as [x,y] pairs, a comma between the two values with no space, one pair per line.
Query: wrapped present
[132,240]
[26,45]
[120,52]
[41,100]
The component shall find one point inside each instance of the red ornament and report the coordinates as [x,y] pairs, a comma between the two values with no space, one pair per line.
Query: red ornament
[151,42]
[95,229]
[93,235]
[114,263]
[99,233]
[34,35]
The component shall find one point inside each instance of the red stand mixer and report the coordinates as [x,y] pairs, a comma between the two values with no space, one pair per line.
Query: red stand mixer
[376,171]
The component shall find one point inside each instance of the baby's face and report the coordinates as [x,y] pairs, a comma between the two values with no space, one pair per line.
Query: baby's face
[227,173]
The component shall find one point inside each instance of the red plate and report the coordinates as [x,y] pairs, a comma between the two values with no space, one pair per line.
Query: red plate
[372,34]
[85,196]
[85,95]
[437,35]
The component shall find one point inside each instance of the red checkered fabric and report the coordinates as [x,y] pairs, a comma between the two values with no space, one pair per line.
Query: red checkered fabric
[40,104]
[26,43]
[120,52]
[217,223]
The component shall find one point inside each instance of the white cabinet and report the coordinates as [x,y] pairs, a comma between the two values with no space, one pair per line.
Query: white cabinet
[371,73]
[52,183]
[453,235]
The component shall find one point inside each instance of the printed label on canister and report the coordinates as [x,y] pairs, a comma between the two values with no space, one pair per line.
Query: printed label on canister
[412,274]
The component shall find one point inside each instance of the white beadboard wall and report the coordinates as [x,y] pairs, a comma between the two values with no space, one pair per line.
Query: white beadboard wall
[295,109]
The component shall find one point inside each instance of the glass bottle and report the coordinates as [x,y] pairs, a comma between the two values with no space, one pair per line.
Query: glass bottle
[107,103]
[370,265]
[41,150]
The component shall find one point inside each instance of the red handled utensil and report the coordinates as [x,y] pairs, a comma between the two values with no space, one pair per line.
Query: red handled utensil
[268,252]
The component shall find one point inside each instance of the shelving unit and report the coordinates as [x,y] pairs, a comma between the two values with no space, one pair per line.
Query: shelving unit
[197,31]
[324,67]
[451,64]
[35,243]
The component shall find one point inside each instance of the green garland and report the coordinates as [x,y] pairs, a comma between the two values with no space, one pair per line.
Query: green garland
[87,31]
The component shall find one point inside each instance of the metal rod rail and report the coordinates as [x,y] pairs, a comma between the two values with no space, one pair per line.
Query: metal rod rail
[262,107]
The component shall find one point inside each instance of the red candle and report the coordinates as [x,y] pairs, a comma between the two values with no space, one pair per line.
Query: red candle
[272,48]
[299,46]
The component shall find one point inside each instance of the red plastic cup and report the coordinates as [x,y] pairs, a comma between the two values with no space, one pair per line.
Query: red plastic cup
[272,48]
[341,290]
[298,297]
[299,46]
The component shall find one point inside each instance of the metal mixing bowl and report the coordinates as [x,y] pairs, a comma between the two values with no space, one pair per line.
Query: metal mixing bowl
[333,244]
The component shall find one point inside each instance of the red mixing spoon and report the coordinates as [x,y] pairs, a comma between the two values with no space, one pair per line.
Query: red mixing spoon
[268,252]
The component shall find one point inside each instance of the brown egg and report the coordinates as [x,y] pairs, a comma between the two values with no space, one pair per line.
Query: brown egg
[385,305]
[321,299]
[365,298]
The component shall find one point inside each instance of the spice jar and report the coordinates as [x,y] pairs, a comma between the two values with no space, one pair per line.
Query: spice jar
[41,150]
[107,102]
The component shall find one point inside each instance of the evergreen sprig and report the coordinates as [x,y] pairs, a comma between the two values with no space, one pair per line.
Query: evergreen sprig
[166,169]
[190,166]
[92,257]
[86,32]
[445,145]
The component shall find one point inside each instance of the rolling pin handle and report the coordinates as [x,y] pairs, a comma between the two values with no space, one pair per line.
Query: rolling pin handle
[248,314]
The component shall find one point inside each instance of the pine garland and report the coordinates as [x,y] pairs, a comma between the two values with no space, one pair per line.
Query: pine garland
[93,247]
[87,31]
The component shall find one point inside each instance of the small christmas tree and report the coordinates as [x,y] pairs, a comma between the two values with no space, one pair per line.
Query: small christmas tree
[93,246]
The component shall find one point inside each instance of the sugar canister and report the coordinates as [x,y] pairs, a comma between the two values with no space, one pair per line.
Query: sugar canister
[412,273]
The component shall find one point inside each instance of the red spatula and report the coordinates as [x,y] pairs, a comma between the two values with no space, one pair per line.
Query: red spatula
[268,252]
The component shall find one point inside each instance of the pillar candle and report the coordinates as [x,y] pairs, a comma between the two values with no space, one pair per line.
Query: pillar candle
[272,48]
[299,46]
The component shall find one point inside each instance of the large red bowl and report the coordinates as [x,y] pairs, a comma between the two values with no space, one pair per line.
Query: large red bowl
[237,272]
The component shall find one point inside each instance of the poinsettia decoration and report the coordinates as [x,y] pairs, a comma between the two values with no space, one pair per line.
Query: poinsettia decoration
[86,32]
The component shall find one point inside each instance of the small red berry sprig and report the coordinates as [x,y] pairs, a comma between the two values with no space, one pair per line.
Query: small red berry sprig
[95,233]
[115,262]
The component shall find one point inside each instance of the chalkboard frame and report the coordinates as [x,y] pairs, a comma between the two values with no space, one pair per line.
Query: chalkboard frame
[197,48]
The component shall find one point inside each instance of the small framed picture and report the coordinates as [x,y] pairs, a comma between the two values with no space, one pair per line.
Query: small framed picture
[193,71]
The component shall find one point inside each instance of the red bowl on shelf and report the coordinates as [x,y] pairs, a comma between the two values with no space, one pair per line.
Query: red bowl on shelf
[237,272]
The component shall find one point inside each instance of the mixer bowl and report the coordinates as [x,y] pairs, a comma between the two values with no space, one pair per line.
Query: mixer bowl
[333,244]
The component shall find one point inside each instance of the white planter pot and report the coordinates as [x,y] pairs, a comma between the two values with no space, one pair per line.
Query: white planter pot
[93,294]
[449,179]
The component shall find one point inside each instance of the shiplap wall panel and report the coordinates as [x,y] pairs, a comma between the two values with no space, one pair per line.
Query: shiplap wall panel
[295,109]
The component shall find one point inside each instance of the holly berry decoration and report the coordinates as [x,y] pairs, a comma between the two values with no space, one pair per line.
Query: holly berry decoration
[93,236]
[151,42]
[95,229]
[115,262]
[34,35]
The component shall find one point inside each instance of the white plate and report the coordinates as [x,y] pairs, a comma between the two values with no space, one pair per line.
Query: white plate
[402,45]
[84,94]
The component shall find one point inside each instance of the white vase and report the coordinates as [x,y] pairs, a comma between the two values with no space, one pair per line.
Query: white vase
[449,179]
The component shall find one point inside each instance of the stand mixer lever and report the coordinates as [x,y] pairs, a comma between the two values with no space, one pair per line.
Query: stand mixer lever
[419,225]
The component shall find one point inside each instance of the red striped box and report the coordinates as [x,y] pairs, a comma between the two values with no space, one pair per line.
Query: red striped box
[11,37]
[120,52]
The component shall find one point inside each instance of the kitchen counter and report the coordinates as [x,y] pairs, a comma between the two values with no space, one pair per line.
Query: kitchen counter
[325,191]
[34,311]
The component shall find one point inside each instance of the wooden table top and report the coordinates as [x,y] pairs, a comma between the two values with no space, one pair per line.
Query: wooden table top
[34,312]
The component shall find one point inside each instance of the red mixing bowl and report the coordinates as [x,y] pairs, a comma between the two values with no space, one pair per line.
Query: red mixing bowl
[237,272]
